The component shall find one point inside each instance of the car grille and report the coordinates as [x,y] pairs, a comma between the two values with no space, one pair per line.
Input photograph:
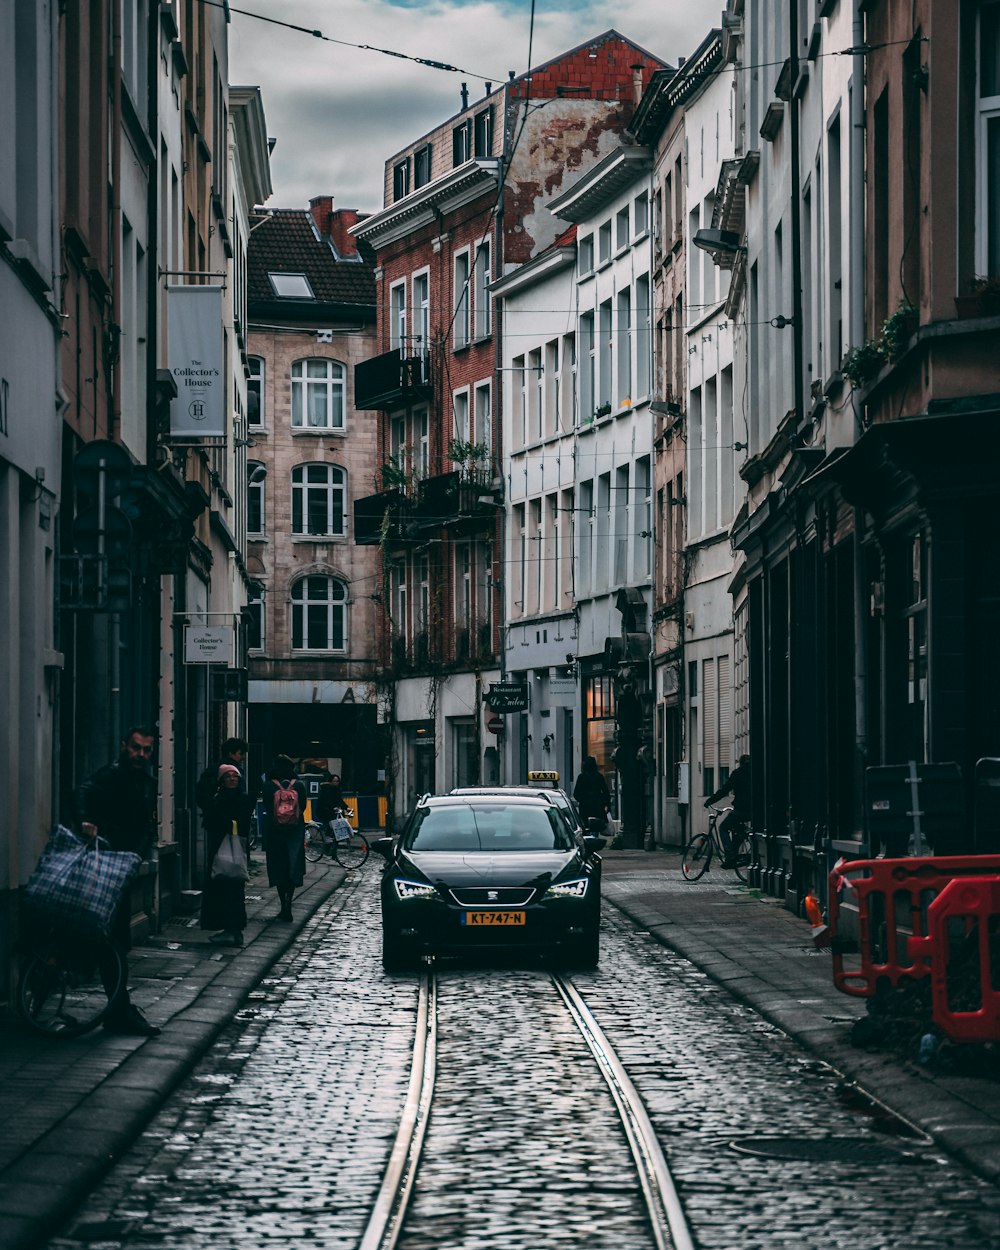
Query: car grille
[497,896]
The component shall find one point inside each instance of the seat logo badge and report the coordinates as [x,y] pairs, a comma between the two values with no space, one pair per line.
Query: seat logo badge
[492,895]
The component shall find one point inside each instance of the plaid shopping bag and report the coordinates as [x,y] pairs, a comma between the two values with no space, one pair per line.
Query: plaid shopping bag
[77,886]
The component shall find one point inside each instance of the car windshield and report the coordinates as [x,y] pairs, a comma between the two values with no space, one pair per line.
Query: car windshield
[488,827]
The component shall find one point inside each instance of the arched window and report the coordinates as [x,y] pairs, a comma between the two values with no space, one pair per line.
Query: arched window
[319,499]
[318,388]
[255,391]
[319,614]
[256,478]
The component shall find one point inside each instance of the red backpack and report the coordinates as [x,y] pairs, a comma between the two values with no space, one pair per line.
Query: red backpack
[285,803]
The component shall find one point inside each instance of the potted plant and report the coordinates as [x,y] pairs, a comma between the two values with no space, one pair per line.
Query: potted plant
[897,331]
[862,363]
[983,300]
[470,456]
[395,476]
[603,410]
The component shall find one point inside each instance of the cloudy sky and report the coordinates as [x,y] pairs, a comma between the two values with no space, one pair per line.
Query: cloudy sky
[337,112]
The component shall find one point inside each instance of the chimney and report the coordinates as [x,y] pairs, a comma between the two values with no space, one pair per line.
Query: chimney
[321,208]
[489,88]
[465,96]
[340,223]
[636,83]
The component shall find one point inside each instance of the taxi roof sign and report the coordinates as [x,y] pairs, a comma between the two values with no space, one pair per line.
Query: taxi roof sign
[543,777]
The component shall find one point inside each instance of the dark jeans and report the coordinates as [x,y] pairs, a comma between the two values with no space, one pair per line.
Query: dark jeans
[730,825]
[119,938]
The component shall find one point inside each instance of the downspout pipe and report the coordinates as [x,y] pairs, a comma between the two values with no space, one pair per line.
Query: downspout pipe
[856,208]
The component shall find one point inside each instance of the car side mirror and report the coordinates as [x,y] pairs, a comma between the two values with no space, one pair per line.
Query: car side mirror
[386,847]
[593,844]
[595,824]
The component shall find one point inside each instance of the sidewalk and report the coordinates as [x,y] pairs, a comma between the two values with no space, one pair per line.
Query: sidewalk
[70,1107]
[764,956]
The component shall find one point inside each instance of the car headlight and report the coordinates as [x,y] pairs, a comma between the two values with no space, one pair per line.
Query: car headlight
[413,889]
[568,889]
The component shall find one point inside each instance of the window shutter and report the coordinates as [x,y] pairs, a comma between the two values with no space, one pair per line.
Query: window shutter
[725,714]
[709,714]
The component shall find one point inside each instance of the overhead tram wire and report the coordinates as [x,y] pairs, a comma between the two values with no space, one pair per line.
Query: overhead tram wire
[346,43]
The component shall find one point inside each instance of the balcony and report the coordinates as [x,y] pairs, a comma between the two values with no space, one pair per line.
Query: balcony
[462,499]
[391,381]
[382,518]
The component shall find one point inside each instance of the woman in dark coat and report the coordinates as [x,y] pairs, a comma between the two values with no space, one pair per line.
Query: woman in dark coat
[591,793]
[284,844]
[223,902]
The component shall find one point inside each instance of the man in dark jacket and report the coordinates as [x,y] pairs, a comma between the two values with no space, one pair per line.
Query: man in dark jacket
[118,803]
[738,786]
[591,793]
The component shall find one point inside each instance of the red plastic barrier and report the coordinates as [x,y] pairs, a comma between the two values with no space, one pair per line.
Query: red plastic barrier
[960,947]
[893,898]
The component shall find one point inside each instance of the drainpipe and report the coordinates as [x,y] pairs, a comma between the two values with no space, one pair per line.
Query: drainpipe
[856,207]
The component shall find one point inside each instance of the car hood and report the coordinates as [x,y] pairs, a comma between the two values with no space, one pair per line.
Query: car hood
[456,868]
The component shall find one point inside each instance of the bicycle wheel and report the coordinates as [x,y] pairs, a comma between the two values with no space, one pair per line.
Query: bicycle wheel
[315,841]
[697,857]
[66,987]
[351,852]
[743,855]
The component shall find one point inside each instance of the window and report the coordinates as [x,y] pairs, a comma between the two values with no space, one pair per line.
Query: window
[465,754]
[536,385]
[625,344]
[621,229]
[988,143]
[318,395]
[291,285]
[256,477]
[401,179]
[586,531]
[255,391]
[606,354]
[520,560]
[398,578]
[421,440]
[641,213]
[604,243]
[484,133]
[481,290]
[421,315]
[319,614]
[461,299]
[483,432]
[588,378]
[318,500]
[422,166]
[397,318]
[520,401]
[461,404]
[254,617]
[585,255]
[642,334]
[461,143]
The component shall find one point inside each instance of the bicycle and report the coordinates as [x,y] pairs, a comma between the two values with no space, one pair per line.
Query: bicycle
[337,839]
[703,846]
[67,986]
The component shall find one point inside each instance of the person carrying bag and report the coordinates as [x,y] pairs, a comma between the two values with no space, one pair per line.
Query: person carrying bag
[227,824]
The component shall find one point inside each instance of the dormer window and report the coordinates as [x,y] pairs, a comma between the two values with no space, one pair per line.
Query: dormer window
[291,285]
[422,166]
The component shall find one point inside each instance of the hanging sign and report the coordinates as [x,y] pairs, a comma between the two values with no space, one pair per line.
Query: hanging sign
[208,644]
[194,352]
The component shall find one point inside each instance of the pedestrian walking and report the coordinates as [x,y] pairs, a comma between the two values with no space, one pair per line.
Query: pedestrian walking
[284,840]
[223,899]
[118,804]
[738,784]
[233,751]
[591,793]
[330,802]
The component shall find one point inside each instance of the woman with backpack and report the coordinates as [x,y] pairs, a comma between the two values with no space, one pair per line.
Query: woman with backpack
[284,799]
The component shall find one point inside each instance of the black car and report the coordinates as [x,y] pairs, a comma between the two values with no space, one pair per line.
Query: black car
[490,872]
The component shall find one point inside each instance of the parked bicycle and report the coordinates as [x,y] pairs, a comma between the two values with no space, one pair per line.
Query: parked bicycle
[703,847]
[338,839]
[67,986]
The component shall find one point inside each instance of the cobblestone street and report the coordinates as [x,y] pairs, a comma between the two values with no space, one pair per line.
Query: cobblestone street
[282,1133]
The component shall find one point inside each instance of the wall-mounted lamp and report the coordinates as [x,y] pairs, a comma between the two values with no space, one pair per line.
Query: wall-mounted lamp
[781,321]
[739,446]
[679,501]
[718,241]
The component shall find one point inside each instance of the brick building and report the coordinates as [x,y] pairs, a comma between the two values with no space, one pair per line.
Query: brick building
[312,656]
[462,204]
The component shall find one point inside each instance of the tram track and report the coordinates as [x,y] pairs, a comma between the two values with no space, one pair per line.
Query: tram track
[667,1222]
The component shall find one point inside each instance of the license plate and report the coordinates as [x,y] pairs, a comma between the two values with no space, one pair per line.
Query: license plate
[495,918]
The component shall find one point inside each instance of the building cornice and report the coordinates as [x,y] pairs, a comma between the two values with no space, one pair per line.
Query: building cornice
[444,195]
[537,270]
[602,183]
